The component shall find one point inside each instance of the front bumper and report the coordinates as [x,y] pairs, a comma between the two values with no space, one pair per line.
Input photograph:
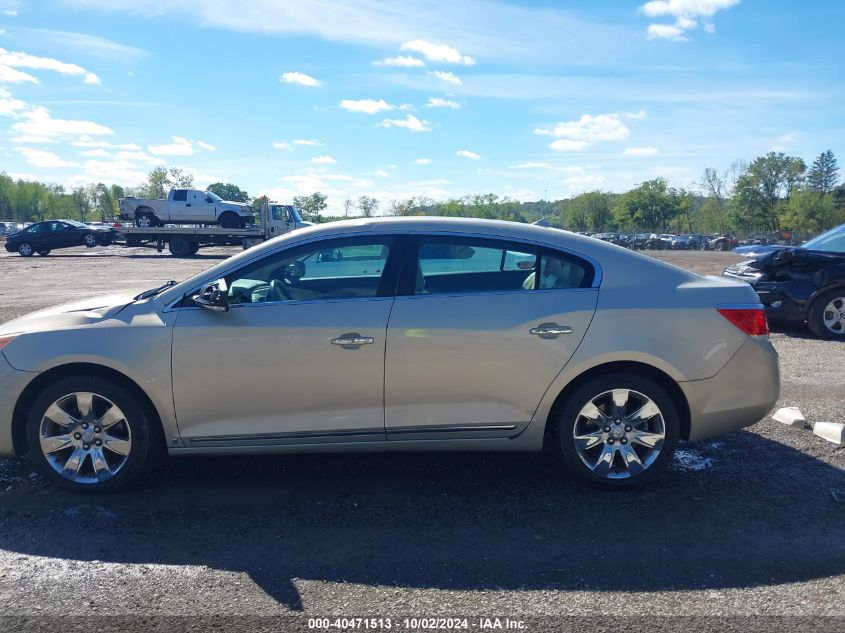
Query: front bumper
[741,394]
[12,384]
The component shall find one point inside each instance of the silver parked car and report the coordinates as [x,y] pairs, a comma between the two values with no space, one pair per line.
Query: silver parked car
[393,334]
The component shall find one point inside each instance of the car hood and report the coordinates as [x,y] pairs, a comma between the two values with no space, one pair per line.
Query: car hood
[759,251]
[84,312]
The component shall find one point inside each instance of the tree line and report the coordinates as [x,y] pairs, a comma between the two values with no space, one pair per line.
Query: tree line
[771,193]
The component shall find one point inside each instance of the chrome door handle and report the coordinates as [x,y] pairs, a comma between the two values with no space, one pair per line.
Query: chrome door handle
[353,340]
[550,330]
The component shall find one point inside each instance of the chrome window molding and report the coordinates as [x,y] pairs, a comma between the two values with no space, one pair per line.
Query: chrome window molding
[597,277]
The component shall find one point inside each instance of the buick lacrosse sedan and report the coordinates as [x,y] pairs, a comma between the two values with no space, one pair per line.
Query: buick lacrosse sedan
[388,335]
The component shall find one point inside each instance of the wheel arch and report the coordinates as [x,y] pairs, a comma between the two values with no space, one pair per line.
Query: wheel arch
[641,369]
[30,393]
[838,284]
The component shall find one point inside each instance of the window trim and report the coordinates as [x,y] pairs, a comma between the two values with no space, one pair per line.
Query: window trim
[407,277]
[386,288]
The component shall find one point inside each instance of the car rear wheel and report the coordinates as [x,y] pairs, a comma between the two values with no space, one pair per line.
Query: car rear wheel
[25,249]
[145,220]
[617,431]
[44,252]
[827,315]
[231,221]
[89,240]
[88,434]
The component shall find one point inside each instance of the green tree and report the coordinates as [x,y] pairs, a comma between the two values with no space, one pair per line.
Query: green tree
[368,206]
[649,206]
[230,192]
[311,206]
[809,211]
[768,180]
[824,174]
[161,180]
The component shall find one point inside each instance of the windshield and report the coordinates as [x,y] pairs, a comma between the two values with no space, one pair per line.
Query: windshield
[296,217]
[214,196]
[833,240]
[74,223]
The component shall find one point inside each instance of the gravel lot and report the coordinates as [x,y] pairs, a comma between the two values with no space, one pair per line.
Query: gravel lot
[745,525]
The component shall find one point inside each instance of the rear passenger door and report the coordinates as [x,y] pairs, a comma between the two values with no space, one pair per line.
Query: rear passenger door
[479,330]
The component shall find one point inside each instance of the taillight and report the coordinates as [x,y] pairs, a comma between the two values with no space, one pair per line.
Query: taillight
[752,321]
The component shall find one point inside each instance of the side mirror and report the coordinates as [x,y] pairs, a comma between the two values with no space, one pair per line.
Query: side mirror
[213,296]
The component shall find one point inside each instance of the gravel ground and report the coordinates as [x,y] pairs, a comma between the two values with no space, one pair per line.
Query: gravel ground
[746,525]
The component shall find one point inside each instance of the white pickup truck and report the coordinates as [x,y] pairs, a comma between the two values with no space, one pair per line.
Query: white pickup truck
[186,206]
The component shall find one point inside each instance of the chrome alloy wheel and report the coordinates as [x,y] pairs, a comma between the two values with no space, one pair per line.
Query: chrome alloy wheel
[619,433]
[85,437]
[834,316]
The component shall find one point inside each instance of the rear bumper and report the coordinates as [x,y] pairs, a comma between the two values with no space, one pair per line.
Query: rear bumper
[741,394]
[12,384]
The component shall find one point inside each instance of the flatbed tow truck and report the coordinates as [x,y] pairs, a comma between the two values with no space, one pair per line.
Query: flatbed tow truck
[185,241]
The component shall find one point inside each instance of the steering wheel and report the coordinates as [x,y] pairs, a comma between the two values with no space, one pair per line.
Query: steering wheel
[279,291]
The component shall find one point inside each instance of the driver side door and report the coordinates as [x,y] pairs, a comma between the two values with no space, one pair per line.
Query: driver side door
[299,356]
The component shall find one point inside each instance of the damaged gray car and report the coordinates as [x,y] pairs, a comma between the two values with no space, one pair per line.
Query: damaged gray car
[800,285]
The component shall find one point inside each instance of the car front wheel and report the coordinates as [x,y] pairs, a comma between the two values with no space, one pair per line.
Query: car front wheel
[88,434]
[89,240]
[617,431]
[25,249]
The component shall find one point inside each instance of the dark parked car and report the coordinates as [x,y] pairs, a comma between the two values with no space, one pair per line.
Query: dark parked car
[723,242]
[640,240]
[43,237]
[801,284]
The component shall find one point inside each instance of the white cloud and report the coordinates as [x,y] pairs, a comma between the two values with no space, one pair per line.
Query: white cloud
[448,77]
[687,14]
[308,142]
[423,161]
[9,75]
[666,32]
[38,122]
[41,158]
[410,122]
[281,145]
[9,106]
[119,170]
[636,115]
[437,102]
[87,141]
[438,52]
[323,160]
[301,79]
[574,136]
[548,166]
[365,106]
[83,43]
[686,8]
[180,147]
[95,153]
[465,153]
[403,61]
[381,172]
[583,182]
[12,59]
[565,145]
[641,151]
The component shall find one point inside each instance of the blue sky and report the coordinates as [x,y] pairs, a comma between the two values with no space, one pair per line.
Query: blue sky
[393,100]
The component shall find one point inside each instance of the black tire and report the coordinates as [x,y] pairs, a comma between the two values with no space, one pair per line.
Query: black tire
[44,252]
[89,240]
[231,220]
[815,315]
[565,417]
[142,432]
[145,219]
[195,247]
[179,247]
[723,246]
[25,249]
